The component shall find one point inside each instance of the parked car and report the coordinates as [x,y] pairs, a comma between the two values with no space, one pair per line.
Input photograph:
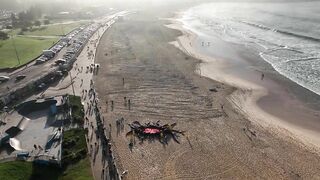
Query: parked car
[49,53]
[20,77]
[59,73]
[40,61]
[42,86]
[60,61]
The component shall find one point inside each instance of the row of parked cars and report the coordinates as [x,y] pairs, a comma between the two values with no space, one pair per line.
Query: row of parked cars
[65,41]
[50,53]
[73,48]
[77,43]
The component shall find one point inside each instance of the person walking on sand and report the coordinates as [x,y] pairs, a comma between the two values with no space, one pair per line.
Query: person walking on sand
[129,104]
[262,76]
[112,105]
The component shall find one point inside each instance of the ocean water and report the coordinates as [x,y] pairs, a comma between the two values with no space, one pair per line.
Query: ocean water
[286,35]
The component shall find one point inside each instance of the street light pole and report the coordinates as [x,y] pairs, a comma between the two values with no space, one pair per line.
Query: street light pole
[15,50]
[62,31]
[72,84]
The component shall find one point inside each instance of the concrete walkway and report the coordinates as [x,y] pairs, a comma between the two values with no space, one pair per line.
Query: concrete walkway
[79,82]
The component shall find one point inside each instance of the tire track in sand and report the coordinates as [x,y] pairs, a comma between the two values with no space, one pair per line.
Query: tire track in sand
[169,169]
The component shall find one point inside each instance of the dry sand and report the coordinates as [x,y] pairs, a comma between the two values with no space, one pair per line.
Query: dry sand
[162,84]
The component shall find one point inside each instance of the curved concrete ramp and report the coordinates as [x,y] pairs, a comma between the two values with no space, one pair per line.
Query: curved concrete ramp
[23,123]
[15,144]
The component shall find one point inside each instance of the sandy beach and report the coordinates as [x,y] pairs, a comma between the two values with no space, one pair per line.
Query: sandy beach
[274,102]
[140,61]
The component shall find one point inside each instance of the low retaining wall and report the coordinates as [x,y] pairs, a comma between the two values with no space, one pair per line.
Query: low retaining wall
[106,147]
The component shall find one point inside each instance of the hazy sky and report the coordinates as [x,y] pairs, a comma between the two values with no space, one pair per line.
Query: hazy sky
[24,4]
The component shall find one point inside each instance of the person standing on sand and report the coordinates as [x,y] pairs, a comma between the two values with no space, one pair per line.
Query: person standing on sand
[262,76]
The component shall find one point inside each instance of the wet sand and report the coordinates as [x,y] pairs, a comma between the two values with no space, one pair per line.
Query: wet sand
[271,100]
[163,84]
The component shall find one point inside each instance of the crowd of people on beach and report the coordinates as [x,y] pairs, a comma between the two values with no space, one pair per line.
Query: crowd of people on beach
[98,135]
[95,125]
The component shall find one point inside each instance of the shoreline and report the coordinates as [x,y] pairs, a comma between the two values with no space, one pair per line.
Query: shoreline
[248,97]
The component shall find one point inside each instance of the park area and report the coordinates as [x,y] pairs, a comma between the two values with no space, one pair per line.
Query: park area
[30,44]
[58,29]
[28,48]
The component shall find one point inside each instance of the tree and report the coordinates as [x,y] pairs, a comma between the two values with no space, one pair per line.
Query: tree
[22,16]
[37,23]
[27,24]
[14,20]
[46,21]
[3,35]
[24,29]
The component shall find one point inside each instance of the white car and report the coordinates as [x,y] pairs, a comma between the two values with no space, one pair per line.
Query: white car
[4,78]
[40,61]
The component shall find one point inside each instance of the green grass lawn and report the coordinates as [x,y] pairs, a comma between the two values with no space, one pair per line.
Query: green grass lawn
[15,170]
[54,30]
[27,48]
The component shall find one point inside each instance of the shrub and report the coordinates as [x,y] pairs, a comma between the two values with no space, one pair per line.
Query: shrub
[46,21]
[3,35]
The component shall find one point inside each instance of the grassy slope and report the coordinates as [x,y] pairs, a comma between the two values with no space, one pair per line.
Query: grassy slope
[77,109]
[79,171]
[76,135]
[28,49]
[54,30]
